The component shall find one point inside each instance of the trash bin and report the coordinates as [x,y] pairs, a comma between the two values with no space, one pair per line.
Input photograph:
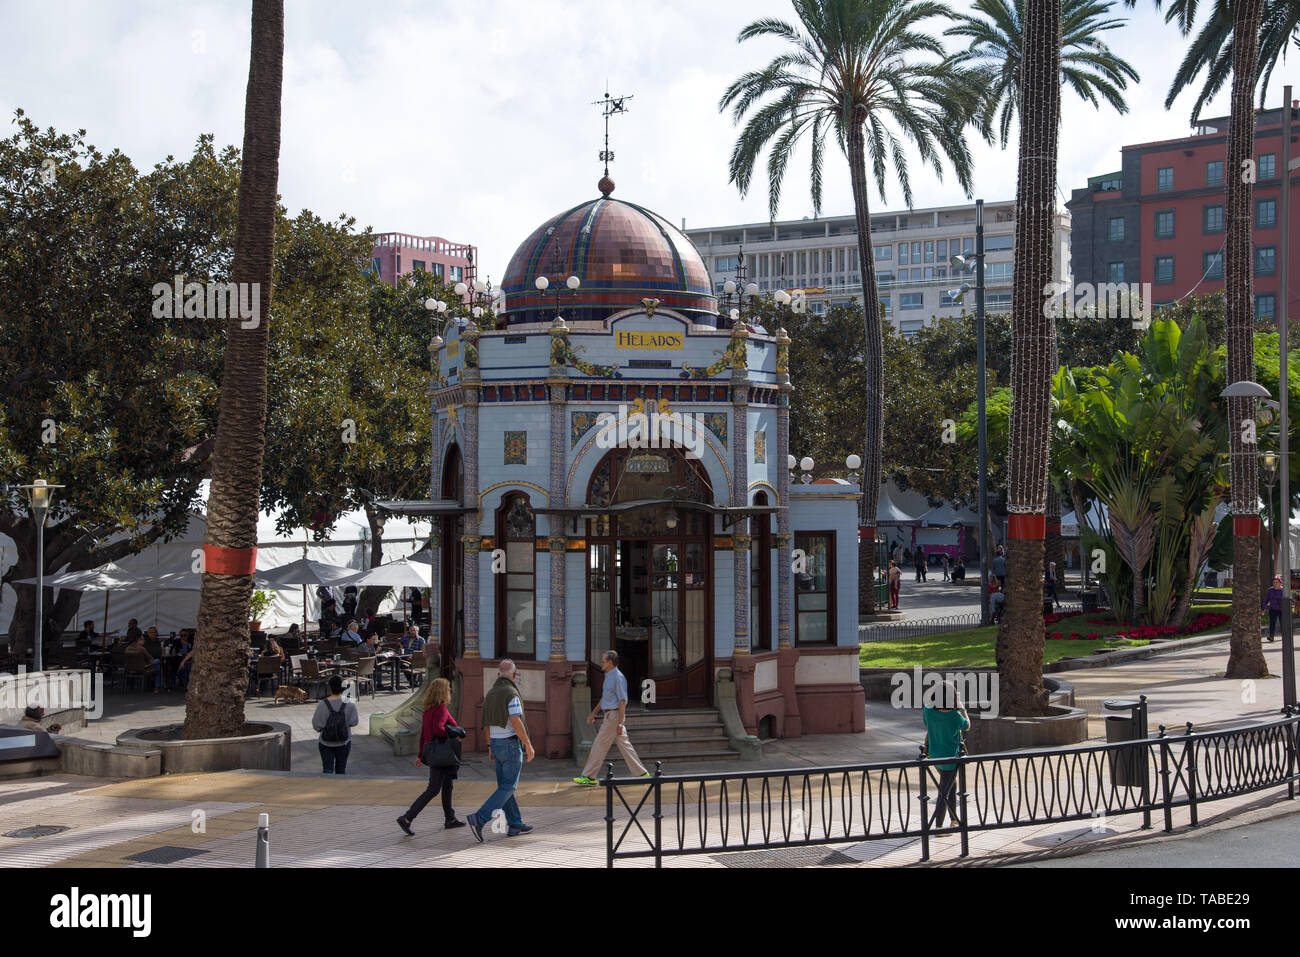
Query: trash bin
[1128,766]
[1088,599]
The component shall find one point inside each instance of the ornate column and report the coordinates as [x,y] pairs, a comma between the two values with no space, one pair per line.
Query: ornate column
[557,389]
[740,481]
[784,538]
[469,420]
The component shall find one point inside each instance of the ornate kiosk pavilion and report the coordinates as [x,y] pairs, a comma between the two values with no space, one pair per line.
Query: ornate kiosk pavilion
[617,478]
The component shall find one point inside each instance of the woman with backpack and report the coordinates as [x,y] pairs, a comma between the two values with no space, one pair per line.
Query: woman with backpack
[438,729]
[335,719]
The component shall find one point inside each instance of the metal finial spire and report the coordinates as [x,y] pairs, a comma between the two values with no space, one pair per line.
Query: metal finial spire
[609,106]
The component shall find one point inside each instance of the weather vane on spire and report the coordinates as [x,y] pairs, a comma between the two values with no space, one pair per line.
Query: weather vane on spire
[609,106]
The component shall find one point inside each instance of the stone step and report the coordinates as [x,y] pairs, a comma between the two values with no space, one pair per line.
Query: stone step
[655,746]
[646,731]
[636,719]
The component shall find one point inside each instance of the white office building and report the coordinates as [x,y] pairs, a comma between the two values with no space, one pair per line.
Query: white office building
[912,249]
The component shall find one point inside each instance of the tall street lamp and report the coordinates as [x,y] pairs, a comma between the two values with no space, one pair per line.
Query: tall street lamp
[40,496]
[966,263]
[1253,390]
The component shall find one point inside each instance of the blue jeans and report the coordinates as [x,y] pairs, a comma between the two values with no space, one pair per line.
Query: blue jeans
[508,762]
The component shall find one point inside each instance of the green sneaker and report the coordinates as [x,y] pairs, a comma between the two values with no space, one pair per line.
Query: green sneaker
[586,782]
[646,775]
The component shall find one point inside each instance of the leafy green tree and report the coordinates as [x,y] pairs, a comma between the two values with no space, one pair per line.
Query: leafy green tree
[101,394]
[1088,65]
[866,71]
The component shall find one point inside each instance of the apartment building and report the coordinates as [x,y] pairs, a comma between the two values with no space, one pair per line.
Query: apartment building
[912,251]
[396,254]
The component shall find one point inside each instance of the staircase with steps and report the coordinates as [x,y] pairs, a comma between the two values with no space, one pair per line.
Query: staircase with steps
[688,734]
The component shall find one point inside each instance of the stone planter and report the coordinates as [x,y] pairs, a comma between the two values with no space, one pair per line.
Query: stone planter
[1062,726]
[264,746]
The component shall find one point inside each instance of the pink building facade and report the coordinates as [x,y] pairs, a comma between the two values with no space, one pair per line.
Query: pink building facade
[396,254]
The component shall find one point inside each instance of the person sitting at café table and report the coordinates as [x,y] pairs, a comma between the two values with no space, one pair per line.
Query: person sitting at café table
[138,653]
[132,631]
[412,641]
[88,632]
[31,720]
[293,635]
[273,647]
[152,643]
[187,661]
[350,635]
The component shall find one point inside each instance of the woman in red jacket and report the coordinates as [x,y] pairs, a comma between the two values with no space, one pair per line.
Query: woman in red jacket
[434,725]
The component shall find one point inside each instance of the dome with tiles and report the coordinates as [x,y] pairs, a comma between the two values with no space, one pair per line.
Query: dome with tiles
[621,253]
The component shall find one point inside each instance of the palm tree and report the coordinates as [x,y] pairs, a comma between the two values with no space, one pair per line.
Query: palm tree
[1211,51]
[1241,45]
[1088,66]
[864,70]
[1020,641]
[215,703]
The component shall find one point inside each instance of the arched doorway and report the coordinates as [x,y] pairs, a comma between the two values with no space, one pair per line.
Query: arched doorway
[649,575]
[453,565]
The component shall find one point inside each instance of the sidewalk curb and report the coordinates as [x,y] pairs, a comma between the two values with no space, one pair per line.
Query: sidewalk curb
[1125,655]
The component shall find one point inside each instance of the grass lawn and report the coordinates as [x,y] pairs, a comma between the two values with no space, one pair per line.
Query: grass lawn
[974,647]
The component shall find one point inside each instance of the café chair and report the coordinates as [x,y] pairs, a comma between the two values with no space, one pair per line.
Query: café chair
[313,676]
[365,674]
[415,668]
[268,669]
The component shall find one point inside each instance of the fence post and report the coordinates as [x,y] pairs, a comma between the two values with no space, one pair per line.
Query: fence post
[925,803]
[1164,776]
[1189,759]
[1290,751]
[609,814]
[659,837]
[961,784]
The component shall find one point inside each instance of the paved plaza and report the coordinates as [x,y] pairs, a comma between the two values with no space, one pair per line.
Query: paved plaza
[210,820]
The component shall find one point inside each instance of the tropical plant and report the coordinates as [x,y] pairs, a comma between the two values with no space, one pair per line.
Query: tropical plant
[215,700]
[1088,65]
[258,604]
[866,71]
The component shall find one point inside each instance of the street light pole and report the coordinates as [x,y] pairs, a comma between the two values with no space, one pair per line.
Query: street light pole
[40,495]
[1288,641]
[982,414]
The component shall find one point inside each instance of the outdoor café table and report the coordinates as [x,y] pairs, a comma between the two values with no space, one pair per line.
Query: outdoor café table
[393,662]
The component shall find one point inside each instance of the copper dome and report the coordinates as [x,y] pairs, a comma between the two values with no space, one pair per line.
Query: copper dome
[621,252]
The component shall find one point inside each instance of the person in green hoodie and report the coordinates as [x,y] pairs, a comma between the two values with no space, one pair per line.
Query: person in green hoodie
[944,725]
[503,716]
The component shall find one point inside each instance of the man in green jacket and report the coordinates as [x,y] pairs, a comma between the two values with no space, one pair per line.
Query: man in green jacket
[944,724]
[503,716]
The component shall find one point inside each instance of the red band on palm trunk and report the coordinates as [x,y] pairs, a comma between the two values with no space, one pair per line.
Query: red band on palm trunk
[1053,528]
[229,561]
[1027,526]
[867,533]
[1247,525]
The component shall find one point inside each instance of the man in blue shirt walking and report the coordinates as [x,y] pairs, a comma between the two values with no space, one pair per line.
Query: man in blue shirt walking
[613,702]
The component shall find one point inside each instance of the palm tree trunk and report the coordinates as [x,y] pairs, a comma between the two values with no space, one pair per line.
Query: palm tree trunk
[214,706]
[1055,543]
[1020,636]
[1246,655]
[873,440]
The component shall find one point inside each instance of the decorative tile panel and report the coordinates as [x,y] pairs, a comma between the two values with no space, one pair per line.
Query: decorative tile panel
[580,423]
[516,448]
[717,424]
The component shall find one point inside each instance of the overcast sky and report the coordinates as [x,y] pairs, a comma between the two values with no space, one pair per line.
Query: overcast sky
[472,121]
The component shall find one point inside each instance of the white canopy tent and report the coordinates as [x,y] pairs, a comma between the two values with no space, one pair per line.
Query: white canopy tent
[175,606]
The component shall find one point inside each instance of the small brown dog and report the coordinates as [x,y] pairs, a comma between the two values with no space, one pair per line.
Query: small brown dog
[290,694]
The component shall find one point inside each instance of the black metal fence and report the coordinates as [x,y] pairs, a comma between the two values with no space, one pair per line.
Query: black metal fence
[924,627]
[675,815]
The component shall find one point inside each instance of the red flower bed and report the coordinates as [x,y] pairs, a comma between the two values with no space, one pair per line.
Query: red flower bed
[1201,622]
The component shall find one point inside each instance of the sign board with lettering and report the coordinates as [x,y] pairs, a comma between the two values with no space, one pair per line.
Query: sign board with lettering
[648,339]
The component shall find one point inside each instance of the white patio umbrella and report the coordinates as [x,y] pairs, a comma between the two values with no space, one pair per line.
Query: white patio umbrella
[104,578]
[303,572]
[411,572]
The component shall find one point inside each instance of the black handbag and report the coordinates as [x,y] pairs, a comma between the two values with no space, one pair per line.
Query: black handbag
[443,753]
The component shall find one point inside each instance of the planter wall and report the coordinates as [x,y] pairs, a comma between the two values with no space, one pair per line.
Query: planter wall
[265,748]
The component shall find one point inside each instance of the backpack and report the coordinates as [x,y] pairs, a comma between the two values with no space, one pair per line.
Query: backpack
[336,724]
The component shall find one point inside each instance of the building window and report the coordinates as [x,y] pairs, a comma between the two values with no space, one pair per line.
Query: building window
[1266,306]
[1212,265]
[1115,229]
[1265,260]
[1165,179]
[1265,213]
[760,580]
[814,589]
[997,300]
[417,264]
[929,273]
[1115,272]
[941,251]
[1212,218]
[968,246]
[727,264]
[839,259]
[437,270]
[884,306]
[515,608]
[882,252]
[375,264]
[1267,166]
[929,250]
[993,244]
[910,300]
[1164,269]
[998,272]
[916,252]
[951,299]
[1164,224]
[457,273]
[1214,173]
